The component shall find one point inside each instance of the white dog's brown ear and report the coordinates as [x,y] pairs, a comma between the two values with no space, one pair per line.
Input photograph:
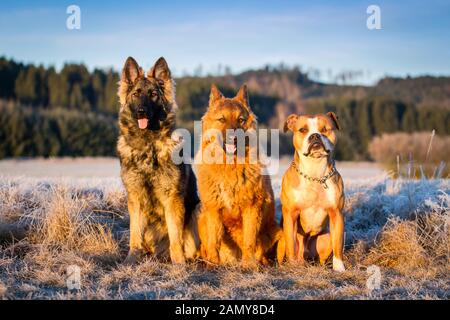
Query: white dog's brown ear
[214,95]
[290,122]
[335,119]
[242,95]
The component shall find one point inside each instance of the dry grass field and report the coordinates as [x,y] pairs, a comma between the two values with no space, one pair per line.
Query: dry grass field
[401,226]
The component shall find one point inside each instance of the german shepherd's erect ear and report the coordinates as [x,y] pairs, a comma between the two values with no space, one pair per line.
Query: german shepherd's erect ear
[242,96]
[130,73]
[215,95]
[160,70]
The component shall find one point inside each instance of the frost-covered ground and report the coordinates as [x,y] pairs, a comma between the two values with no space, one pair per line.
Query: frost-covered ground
[398,225]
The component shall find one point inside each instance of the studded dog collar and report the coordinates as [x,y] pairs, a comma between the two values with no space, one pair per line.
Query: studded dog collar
[321,180]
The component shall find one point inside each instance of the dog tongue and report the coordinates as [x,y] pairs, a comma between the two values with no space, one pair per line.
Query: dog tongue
[231,148]
[143,123]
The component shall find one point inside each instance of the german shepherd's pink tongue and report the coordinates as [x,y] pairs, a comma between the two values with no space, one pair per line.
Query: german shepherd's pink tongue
[143,122]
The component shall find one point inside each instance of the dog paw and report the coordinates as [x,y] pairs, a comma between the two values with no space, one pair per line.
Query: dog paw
[177,255]
[133,257]
[249,264]
[213,257]
[338,265]
[178,259]
[264,261]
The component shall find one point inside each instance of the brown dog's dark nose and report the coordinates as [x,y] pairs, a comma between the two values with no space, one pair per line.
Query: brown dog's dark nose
[314,136]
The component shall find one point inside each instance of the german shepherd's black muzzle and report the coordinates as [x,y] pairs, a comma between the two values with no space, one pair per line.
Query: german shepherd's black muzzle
[149,115]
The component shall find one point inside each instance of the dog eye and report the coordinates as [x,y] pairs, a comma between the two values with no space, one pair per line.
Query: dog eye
[303,130]
[135,94]
[221,120]
[241,120]
[154,93]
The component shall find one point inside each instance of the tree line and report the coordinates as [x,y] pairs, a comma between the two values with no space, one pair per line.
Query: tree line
[73,87]
[363,119]
[31,132]
[73,112]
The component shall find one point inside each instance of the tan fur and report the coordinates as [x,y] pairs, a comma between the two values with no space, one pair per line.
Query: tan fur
[313,221]
[237,215]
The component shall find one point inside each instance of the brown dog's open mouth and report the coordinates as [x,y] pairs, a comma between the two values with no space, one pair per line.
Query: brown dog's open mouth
[230,144]
[230,148]
[143,123]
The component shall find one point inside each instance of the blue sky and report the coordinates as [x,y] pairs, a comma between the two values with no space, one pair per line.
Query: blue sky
[326,35]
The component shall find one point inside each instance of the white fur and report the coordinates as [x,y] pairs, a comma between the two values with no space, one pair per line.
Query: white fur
[327,143]
[312,220]
[313,127]
[338,265]
[313,167]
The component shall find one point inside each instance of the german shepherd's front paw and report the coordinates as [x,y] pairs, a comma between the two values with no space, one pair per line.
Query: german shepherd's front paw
[249,263]
[177,256]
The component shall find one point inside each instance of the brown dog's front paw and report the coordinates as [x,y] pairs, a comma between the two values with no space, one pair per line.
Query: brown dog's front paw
[177,257]
[249,263]
[213,258]
[133,257]
[264,261]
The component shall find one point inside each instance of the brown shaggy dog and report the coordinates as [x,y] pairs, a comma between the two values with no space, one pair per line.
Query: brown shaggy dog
[237,215]
[161,194]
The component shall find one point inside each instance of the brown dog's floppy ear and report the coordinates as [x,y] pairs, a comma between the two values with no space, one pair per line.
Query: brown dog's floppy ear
[290,122]
[242,95]
[335,119]
[131,71]
[160,70]
[215,94]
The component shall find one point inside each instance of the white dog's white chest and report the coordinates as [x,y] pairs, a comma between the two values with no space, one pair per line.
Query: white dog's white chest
[313,203]
[312,220]
[324,197]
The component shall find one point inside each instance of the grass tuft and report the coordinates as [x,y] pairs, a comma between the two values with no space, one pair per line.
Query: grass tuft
[400,225]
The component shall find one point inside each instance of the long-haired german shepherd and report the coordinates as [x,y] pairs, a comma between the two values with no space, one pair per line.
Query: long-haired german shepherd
[237,215]
[162,196]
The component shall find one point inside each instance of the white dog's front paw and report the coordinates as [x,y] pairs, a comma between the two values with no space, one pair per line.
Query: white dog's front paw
[338,265]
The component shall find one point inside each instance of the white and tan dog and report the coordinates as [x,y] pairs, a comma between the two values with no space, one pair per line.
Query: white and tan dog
[312,192]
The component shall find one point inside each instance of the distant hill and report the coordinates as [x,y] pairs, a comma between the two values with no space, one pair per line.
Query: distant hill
[290,90]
